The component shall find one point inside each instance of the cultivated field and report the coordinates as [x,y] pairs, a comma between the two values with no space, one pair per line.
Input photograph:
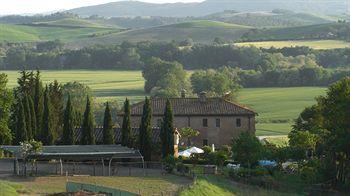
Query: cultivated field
[277,107]
[23,33]
[315,44]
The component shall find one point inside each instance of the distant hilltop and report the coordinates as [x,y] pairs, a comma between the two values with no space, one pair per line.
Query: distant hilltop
[137,8]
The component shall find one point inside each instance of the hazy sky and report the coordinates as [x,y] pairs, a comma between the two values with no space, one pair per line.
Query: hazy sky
[40,6]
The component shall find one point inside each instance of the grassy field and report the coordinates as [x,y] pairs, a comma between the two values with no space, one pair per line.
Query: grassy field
[214,186]
[22,33]
[143,185]
[315,44]
[9,188]
[277,107]
[199,31]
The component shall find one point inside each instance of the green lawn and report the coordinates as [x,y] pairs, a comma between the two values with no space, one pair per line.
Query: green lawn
[277,107]
[144,185]
[9,188]
[215,186]
[315,44]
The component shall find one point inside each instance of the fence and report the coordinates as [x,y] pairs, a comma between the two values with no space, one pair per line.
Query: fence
[96,168]
[73,187]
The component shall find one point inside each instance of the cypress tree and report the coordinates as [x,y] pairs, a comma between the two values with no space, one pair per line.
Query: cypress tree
[145,135]
[88,133]
[28,118]
[68,124]
[47,132]
[32,118]
[126,126]
[21,128]
[108,135]
[167,131]
[38,104]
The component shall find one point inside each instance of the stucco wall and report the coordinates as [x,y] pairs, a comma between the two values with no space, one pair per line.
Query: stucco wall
[214,135]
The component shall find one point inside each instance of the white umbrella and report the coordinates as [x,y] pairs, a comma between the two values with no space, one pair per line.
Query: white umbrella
[185,153]
[195,150]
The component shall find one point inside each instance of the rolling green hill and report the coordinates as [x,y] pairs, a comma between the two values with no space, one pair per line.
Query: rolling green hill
[72,22]
[322,31]
[203,31]
[29,33]
[276,18]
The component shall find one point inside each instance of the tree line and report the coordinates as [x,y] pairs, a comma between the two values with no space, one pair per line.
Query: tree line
[34,112]
[258,67]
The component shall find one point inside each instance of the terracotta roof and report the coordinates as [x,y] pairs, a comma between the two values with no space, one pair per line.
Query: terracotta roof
[194,106]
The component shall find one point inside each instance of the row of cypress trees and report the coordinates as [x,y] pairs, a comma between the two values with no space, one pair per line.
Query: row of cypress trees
[166,132]
[34,114]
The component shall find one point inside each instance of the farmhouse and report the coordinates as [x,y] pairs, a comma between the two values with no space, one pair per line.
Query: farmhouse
[217,119]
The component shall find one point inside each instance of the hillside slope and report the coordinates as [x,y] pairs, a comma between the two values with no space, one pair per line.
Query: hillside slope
[199,31]
[33,33]
[136,8]
[337,30]
[276,18]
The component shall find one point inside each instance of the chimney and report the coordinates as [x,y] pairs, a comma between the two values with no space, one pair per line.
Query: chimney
[183,93]
[203,96]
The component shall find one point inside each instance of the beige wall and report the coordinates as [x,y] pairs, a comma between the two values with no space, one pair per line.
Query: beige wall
[215,135]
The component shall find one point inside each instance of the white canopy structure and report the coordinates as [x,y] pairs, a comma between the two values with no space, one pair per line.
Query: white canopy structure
[185,154]
[195,150]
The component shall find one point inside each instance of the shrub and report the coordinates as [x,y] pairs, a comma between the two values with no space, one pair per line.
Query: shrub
[169,163]
[217,158]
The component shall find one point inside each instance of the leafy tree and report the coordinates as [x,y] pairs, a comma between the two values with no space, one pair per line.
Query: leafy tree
[88,128]
[145,134]
[68,124]
[166,76]
[167,131]
[47,136]
[78,93]
[302,141]
[126,126]
[215,83]
[188,133]
[6,100]
[247,149]
[335,110]
[108,134]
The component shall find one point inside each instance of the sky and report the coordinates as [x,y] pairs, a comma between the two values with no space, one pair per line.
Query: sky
[8,7]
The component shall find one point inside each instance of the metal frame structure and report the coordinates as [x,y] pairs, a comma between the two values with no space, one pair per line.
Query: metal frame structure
[75,153]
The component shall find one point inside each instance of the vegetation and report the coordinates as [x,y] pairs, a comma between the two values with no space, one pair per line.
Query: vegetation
[108,133]
[88,128]
[145,133]
[68,124]
[144,185]
[167,131]
[314,44]
[247,150]
[126,125]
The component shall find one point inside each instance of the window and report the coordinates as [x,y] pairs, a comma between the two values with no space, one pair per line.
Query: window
[205,122]
[217,122]
[205,142]
[238,122]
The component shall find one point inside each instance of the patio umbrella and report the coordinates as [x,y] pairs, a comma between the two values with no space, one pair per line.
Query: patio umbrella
[195,150]
[185,153]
